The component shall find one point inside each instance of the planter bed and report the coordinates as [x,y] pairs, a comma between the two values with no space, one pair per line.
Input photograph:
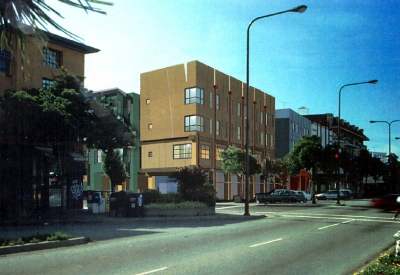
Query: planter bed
[206,211]
[4,250]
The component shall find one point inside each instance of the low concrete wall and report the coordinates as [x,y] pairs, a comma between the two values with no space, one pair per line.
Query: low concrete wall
[180,212]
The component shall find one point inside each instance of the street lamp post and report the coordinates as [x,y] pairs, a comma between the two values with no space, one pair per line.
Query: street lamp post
[338,171]
[390,124]
[299,9]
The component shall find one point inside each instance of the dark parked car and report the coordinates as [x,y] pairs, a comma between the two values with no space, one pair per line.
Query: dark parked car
[387,202]
[260,197]
[283,195]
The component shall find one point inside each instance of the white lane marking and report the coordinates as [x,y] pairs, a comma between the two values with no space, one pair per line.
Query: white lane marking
[227,207]
[153,271]
[255,245]
[335,217]
[332,225]
[349,221]
[336,224]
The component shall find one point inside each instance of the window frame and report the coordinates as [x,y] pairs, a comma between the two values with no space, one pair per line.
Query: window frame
[194,95]
[182,151]
[52,58]
[198,126]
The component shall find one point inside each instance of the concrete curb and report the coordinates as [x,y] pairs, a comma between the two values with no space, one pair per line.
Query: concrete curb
[5,250]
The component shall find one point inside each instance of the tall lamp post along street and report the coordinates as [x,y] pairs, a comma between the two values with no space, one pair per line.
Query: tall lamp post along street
[390,124]
[338,171]
[299,9]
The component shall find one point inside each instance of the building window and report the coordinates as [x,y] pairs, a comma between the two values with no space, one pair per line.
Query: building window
[46,83]
[227,104]
[183,151]
[120,110]
[266,118]
[266,139]
[239,109]
[217,105]
[194,95]
[5,58]
[128,106]
[262,117]
[150,154]
[211,99]
[262,138]
[211,126]
[272,140]
[219,150]
[147,101]
[226,129]
[239,133]
[205,151]
[217,131]
[194,123]
[51,58]
[98,156]
[150,126]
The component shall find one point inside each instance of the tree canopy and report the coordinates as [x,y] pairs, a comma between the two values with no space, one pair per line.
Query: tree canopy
[234,162]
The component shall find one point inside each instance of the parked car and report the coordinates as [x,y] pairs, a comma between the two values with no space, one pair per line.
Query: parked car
[350,194]
[260,197]
[308,196]
[386,202]
[330,195]
[283,195]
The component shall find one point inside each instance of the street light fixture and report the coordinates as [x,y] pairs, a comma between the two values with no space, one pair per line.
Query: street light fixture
[390,124]
[338,171]
[299,9]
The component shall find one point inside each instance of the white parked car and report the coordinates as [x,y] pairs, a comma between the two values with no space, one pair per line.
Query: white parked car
[330,195]
[308,196]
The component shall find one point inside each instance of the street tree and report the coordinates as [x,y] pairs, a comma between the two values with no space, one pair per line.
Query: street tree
[306,154]
[234,162]
[58,116]
[115,168]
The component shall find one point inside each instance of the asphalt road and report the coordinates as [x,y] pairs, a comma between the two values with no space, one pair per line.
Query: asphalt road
[290,239]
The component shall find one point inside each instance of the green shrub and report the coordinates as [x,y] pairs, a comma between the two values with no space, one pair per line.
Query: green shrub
[58,236]
[151,196]
[387,264]
[181,205]
[35,239]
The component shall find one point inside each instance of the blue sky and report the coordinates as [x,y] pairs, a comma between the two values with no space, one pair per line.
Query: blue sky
[301,59]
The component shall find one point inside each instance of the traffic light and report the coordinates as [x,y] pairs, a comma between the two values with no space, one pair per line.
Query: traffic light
[336,156]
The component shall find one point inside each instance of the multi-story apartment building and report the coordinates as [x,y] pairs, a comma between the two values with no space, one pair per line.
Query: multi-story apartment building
[36,70]
[290,127]
[190,113]
[126,106]
[22,167]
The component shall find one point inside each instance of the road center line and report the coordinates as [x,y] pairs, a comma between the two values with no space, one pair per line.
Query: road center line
[255,245]
[153,271]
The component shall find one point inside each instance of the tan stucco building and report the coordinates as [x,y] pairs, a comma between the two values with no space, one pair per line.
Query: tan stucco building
[36,70]
[191,112]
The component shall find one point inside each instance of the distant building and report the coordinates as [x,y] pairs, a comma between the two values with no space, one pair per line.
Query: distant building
[190,113]
[290,127]
[126,106]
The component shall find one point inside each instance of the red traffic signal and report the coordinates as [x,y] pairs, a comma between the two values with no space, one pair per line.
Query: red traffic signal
[336,156]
